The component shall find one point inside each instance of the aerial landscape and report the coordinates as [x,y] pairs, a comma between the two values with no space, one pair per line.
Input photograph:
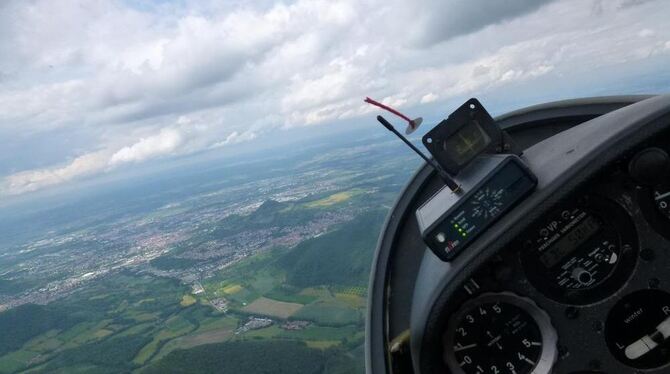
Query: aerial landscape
[199,186]
[265,260]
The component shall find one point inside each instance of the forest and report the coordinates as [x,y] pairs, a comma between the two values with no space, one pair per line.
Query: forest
[325,260]
[256,356]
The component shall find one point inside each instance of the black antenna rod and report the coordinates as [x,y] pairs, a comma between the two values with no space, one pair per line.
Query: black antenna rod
[443,174]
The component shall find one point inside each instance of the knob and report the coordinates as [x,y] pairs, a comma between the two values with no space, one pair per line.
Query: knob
[650,166]
[582,276]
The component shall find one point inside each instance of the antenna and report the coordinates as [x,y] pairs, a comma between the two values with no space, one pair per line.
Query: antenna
[443,174]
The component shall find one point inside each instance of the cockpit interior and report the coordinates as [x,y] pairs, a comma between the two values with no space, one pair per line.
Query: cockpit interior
[571,279]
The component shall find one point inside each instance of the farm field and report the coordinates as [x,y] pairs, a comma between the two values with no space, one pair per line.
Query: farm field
[272,308]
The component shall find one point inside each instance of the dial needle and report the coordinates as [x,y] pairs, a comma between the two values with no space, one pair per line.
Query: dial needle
[659,197]
[459,347]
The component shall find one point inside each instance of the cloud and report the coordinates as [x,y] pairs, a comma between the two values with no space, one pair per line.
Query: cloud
[125,84]
[235,138]
[429,98]
[33,180]
[163,143]
[435,21]
[183,138]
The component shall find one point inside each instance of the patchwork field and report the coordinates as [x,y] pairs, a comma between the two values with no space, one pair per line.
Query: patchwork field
[329,314]
[187,300]
[194,340]
[232,289]
[335,198]
[272,308]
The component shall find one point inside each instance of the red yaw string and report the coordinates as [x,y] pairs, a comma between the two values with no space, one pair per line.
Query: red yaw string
[377,103]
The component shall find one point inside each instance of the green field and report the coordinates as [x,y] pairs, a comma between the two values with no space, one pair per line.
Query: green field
[187,300]
[330,314]
[290,295]
[335,198]
[272,308]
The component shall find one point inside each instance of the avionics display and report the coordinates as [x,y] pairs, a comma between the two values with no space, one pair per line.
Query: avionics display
[570,241]
[494,184]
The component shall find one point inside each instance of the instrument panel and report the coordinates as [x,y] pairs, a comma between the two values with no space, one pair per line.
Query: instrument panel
[584,289]
[612,244]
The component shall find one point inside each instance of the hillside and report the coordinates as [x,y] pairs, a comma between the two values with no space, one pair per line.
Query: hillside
[21,324]
[261,357]
[341,257]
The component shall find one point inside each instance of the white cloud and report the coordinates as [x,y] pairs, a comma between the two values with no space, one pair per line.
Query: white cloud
[235,138]
[183,138]
[162,143]
[182,78]
[429,98]
[33,180]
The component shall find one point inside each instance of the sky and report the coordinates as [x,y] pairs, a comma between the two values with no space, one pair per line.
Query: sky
[92,87]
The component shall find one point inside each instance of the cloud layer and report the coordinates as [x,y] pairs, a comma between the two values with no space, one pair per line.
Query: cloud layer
[167,79]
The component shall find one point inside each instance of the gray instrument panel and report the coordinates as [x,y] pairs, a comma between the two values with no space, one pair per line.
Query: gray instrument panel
[586,160]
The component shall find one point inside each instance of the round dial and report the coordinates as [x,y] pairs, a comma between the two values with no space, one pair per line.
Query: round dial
[662,200]
[580,253]
[500,333]
[487,203]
